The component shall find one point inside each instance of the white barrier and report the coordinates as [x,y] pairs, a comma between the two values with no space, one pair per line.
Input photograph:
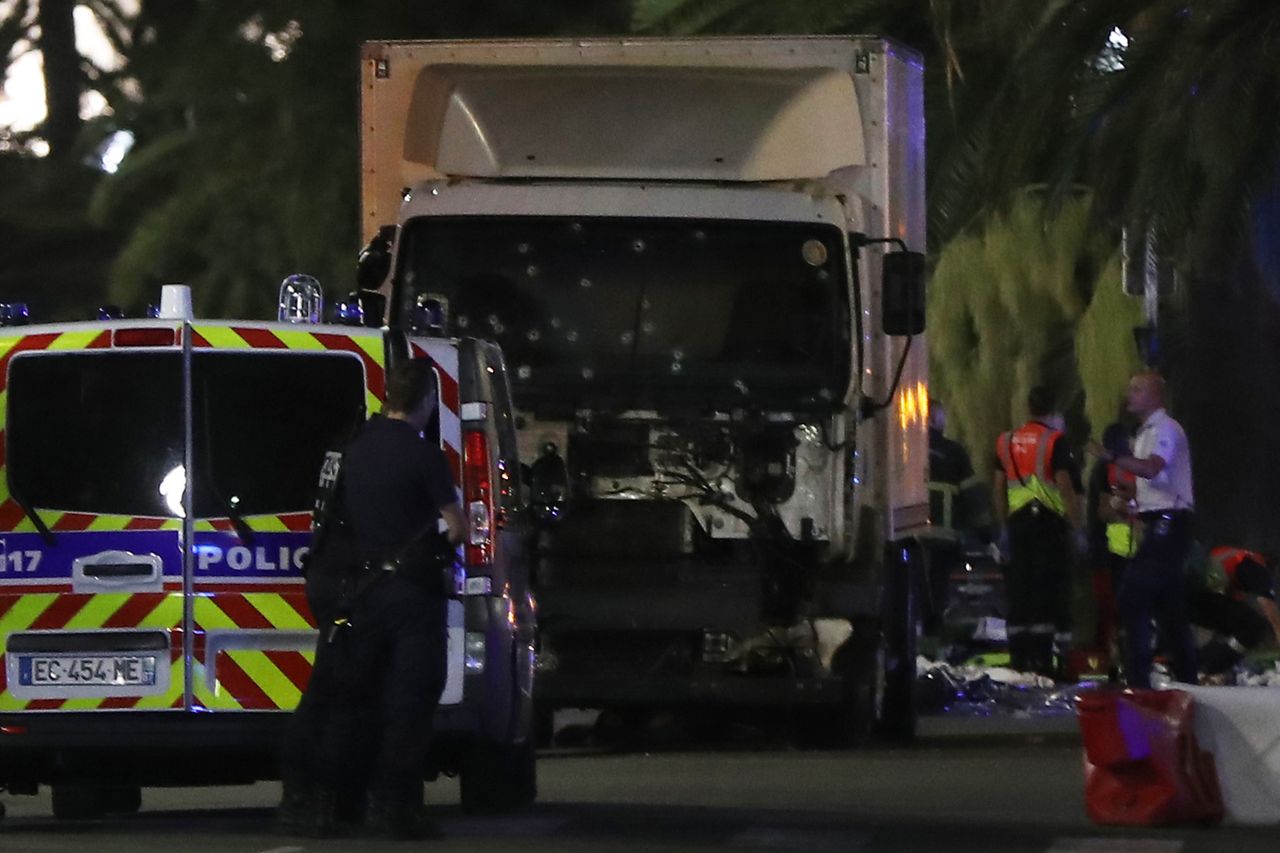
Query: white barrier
[1241,727]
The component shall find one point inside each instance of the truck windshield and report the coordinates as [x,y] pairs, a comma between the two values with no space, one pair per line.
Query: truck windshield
[643,313]
[103,433]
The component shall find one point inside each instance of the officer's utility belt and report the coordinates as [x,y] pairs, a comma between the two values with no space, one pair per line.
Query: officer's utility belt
[1165,515]
[369,574]
[1160,522]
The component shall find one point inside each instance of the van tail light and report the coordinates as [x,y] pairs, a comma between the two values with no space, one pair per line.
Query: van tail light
[477,497]
[144,337]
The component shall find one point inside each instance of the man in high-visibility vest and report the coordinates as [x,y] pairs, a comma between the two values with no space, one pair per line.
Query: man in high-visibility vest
[1037,506]
[1238,604]
[959,514]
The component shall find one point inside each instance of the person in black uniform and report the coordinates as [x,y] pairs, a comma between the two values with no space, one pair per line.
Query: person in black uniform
[1111,541]
[386,662]
[959,513]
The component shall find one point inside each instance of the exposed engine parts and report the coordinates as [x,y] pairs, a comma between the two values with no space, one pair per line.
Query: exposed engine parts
[735,465]
[683,497]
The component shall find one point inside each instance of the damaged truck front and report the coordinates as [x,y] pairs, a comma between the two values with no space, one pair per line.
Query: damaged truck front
[695,255]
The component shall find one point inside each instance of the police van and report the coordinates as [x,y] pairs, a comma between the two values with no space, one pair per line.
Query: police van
[156,489]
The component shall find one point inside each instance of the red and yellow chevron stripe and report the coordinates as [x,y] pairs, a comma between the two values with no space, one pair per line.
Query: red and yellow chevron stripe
[73,612]
[245,674]
[242,676]
[368,346]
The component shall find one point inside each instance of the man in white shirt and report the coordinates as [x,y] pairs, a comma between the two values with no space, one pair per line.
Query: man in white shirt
[1154,584]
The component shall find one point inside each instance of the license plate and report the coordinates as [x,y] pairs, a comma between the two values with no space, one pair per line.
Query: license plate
[82,670]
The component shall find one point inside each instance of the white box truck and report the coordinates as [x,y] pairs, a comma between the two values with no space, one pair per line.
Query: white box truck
[701,257]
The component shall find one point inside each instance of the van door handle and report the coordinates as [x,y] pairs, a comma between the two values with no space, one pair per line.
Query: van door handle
[117,571]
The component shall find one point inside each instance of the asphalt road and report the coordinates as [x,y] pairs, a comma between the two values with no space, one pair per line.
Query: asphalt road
[967,785]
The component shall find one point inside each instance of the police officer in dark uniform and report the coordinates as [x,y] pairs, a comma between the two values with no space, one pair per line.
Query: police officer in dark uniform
[959,514]
[381,667]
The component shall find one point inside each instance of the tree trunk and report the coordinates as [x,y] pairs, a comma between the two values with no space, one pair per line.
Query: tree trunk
[62,78]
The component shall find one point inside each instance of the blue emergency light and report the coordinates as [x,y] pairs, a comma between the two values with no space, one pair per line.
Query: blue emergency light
[14,314]
[348,311]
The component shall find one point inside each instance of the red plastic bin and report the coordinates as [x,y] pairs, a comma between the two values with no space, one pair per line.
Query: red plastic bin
[1142,765]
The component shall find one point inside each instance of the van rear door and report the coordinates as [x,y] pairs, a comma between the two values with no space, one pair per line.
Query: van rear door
[91,577]
[268,400]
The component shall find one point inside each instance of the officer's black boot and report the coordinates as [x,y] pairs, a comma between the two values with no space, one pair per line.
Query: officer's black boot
[295,805]
[400,815]
[308,812]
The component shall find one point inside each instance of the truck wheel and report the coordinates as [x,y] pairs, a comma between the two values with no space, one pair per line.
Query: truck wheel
[902,634]
[865,688]
[496,777]
[78,802]
[853,722]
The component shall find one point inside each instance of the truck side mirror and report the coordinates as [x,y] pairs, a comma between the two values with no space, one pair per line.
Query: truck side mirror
[902,293]
[374,262]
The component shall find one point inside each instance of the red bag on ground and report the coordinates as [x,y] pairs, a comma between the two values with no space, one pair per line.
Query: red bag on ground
[1142,765]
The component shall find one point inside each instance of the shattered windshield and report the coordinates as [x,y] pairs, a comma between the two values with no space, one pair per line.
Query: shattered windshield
[643,313]
[103,432]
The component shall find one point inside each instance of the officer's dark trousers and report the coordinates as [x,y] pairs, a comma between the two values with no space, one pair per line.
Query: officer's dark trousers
[1037,584]
[1155,588]
[373,693]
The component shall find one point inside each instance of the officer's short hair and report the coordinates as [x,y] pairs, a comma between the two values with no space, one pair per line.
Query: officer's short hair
[1040,401]
[408,383]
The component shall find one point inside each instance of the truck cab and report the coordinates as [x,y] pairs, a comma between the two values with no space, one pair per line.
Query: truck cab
[683,248]
[155,514]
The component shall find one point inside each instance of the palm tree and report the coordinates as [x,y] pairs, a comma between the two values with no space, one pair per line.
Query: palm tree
[49,26]
[246,162]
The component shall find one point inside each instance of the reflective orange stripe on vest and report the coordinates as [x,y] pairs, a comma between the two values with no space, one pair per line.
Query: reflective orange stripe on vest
[1027,456]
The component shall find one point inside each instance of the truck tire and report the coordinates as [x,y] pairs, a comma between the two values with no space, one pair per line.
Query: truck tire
[902,634]
[78,802]
[854,722]
[866,689]
[496,777]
